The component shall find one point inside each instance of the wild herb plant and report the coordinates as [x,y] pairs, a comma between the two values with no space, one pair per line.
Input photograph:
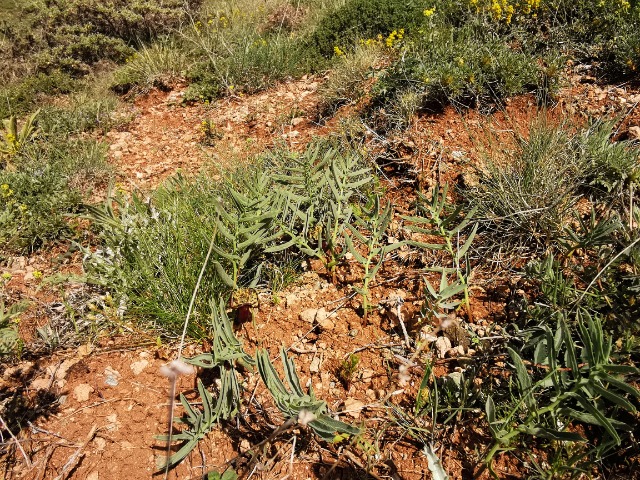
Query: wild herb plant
[255,207]
[572,379]
[319,190]
[226,353]
[14,139]
[198,425]
[369,231]
[291,401]
[434,219]
[10,341]
[347,370]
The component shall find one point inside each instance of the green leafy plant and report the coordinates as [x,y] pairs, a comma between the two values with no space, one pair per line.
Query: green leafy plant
[369,231]
[319,193]
[348,369]
[10,342]
[255,206]
[226,352]
[290,401]
[448,226]
[571,381]
[14,140]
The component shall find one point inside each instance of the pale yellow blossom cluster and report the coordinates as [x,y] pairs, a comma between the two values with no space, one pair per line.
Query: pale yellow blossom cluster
[506,10]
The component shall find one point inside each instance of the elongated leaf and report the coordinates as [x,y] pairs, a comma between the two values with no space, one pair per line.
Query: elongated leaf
[462,252]
[604,377]
[281,247]
[552,434]
[434,463]
[490,410]
[590,419]
[600,418]
[524,380]
[612,397]
[223,275]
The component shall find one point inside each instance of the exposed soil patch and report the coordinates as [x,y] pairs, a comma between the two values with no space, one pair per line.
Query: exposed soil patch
[166,137]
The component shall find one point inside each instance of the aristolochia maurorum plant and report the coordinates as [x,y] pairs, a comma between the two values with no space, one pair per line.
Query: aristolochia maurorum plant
[319,191]
[433,220]
[570,381]
[245,226]
[292,400]
[368,235]
[225,354]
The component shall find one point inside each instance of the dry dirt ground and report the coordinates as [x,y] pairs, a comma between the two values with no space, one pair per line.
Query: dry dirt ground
[92,411]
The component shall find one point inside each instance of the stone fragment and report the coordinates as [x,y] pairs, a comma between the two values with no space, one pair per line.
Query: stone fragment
[443,344]
[323,319]
[138,367]
[82,392]
[315,365]
[634,132]
[308,315]
[353,407]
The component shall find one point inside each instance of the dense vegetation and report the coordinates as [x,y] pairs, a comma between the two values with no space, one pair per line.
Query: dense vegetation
[554,206]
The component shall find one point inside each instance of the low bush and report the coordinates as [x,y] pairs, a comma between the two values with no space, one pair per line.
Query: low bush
[348,79]
[21,96]
[49,181]
[526,195]
[159,65]
[463,66]
[362,19]
[152,252]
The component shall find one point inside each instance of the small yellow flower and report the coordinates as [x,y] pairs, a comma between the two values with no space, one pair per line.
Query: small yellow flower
[337,51]
[37,274]
[428,12]
[6,276]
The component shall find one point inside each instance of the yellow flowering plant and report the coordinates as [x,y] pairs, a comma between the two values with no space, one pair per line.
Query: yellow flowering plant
[14,139]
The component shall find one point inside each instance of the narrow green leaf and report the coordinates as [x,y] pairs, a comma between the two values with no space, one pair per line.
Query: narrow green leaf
[612,397]
[223,275]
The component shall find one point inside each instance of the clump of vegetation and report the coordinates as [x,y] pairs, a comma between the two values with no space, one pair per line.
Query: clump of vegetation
[527,194]
[358,19]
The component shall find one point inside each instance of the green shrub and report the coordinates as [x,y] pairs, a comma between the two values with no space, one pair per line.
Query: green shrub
[84,112]
[526,195]
[158,65]
[47,184]
[349,76]
[251,63]
[73,35]
[463,66]
[21,96]
[362,19]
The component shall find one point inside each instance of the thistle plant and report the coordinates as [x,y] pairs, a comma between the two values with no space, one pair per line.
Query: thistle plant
[433,220]
[291,401]
[369,233]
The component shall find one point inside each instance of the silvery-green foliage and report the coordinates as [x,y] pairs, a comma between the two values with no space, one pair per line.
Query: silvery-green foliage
[290,401]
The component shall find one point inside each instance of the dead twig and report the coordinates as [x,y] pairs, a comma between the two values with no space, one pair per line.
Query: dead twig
[73,461]
[24,454]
